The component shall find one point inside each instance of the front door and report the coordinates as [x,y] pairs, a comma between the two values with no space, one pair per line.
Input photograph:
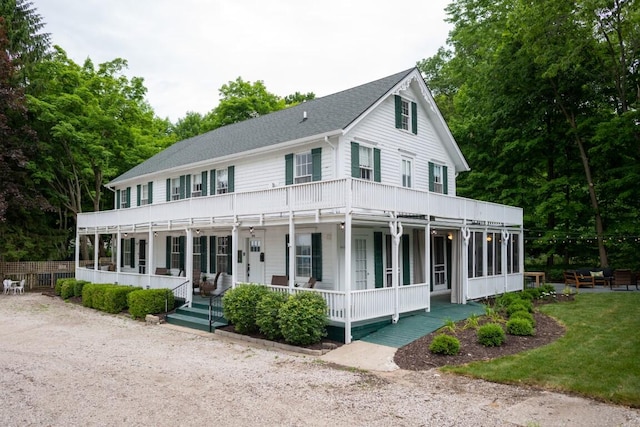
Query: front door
[142,257]
[439,263]
[255,260]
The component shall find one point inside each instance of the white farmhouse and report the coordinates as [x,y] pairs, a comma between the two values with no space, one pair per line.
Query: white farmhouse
[356,190]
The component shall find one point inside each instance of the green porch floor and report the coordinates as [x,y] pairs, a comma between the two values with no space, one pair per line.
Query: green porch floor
[410,328]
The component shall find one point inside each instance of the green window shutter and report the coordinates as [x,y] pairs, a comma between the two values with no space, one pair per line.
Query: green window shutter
[414,118]
[212,182]
[316,256]
[316,161]
[167,258]
[212,254]
[431,178]
[286,254]
[288,169]
[132,258]
[117,199]
[406,271]
[231,179]
[150,187]
[183,183]
[445,181]
[203,253]
[182,257]
[139,190]
[377,259]
[121,252]
[204,184]
[187,186]
[355,160]
[128,197]
[229,253]
[398,112]
[377,175]
[168,190]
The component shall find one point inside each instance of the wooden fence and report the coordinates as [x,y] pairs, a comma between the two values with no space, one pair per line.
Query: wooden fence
[42,274]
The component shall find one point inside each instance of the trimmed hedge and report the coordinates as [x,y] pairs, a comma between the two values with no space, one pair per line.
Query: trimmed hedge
[239,306]
[58,287]
[77,288]
[303,318]
[67,289]
[106,297]
[267,314]
[149,301]
[491,335]
[520,326]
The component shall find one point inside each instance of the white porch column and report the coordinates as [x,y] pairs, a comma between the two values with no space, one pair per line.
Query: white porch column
[118,252]
[188,263]
[347,277]
[503,261]
[77,253]
[427,255]
[234,254]
[150,262]
[96,251]
[396,232]
[292,251]
[466,235]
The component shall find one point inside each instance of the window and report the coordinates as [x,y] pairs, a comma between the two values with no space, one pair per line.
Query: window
[513,254]
[406,114]
[406,173]
[303,255]
[366,163]
[304,168]
[175,189]
[176,254]
[126,252]
[494,254]
[124,198]
[222,183]
[437,178]
[475,255]
[144,194]
[196,185]
[223,250]
[197,253]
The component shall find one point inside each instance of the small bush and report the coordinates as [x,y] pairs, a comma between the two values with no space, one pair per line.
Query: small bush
[77,288]
[547,289]
[149,301]
[67,289]
[491,335]
[523,315]
[267,314]
[106,297]
[519,326]
[445,344]
[531,294]
[521,305]
[239,306]
[303,318]
[506,299]
[58,287]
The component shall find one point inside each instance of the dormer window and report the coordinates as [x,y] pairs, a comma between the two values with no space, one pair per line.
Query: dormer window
[406,114]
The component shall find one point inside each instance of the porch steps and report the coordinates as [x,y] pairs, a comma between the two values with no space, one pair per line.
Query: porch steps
[197,316]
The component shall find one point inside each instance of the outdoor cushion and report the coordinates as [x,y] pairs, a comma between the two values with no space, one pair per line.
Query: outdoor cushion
[597,274]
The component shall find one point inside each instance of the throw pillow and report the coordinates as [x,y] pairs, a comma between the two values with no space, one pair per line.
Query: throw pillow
[597,274]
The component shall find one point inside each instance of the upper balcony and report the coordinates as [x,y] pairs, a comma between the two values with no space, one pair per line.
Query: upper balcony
[338,195]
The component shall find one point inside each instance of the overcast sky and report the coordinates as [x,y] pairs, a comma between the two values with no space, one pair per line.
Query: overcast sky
[185,50]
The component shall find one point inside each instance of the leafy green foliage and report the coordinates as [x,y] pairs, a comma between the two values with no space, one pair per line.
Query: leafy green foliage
[149,301]
[67,289]
[445,344]
[303,318]
[491,335]
[239,306]
[520,326]
[522,314]
[267,314]
[106,297]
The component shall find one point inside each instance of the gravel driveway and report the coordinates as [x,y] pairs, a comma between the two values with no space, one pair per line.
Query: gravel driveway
[65,365]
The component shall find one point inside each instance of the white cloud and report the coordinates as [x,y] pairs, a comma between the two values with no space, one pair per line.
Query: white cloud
[186,50]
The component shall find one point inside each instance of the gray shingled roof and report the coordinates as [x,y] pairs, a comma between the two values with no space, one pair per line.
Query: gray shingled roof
[326,114]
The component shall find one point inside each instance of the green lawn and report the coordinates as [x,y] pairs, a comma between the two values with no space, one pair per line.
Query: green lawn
[598,357]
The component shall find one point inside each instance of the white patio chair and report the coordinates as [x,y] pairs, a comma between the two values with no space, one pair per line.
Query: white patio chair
[6,283]
[19,287]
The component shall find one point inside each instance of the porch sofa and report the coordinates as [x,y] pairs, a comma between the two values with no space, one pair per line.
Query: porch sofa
[588,277]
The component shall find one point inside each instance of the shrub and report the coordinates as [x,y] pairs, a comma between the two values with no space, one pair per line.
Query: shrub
[267,317]
[149,301]
[521,305]
[523,315]
[506,299]
[115,298]
[303,318]
[66,290]
[445,344]
[239,306]
[531,294]
[547,289]
[491,335]
[77,288]
[58,287]
[519,326]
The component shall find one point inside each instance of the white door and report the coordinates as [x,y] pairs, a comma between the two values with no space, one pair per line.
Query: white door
[362,262]
[439,263]
[255,260]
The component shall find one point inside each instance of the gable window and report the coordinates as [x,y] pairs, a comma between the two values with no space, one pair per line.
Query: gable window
[304,168]
[175,189]
[438,178]
[222,181]
[406,167]
[196,185]
[406,114]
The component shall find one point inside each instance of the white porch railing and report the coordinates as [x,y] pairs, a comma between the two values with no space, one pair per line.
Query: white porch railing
[481,287]
[133,279]
[366,195]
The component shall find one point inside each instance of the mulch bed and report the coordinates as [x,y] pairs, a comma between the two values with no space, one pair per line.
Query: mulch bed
[416,356]
[322,345]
